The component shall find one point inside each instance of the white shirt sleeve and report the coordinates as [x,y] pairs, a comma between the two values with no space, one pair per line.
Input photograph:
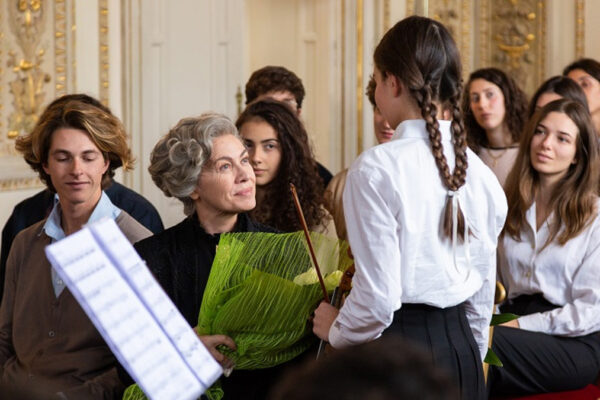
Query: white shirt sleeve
[373,234]
[479,308]
[581,314]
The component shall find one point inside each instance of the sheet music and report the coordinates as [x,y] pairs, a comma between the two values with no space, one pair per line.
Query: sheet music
[132,313]
[133,268]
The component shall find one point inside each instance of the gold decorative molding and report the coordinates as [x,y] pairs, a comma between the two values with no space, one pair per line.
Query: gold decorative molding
[579,28]
[410,7]
[37,44]
[20,183]
[73,43]
[2,63]
[418,7]
[386,16]
[342,76]
[104,57]
[27,23]
[360,84]
[514,39]
[239,98]
[60,48]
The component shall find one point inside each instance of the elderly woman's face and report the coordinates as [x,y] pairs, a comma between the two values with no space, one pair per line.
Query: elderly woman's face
[226,184]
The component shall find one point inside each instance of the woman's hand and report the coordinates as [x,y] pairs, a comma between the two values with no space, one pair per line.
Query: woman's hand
[325,314]
[512,324]
[212,341]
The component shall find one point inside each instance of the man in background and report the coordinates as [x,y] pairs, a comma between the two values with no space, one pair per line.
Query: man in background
[282,85]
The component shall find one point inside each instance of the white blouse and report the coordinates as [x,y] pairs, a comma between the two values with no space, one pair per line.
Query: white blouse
[567,276]
[393,203]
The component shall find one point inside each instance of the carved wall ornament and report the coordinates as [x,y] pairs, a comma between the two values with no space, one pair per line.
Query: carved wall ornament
[37,47]
[27,23]
[515,40]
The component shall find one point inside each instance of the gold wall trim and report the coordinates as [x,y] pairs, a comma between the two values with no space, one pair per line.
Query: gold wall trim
[386,16]
[579,28]
[20,183]
[26,19]
[60,47]
[359,75]
[73,44]
[2,64]
[36,56]
[410,7]
[484,33]
[343,80]
[465,36]
[104,58]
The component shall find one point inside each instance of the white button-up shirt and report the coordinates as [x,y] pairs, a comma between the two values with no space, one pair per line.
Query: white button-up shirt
[393,202]
[567,276]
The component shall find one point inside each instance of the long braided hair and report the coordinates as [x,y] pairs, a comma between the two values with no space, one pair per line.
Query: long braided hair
[421,53]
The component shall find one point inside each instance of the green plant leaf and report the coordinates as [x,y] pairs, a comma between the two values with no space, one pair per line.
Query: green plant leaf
[492,359]
[498,319]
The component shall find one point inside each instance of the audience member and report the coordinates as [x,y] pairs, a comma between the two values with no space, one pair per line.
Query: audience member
[38,207]
[203,162]
[385,369]
[421,270]
[557,87]
[280,154]
[46,339]
[494,109]
[586,72]
[282,85]
[548,258]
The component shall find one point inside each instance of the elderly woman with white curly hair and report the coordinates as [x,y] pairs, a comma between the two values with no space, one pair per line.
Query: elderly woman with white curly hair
[203,163]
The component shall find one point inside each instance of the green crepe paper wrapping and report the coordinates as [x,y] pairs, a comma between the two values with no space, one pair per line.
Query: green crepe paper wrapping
[134,392]
[251,297]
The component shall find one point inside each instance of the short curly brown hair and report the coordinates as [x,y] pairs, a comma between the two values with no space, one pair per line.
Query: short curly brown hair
[77,111]
[515,104]
[274,79]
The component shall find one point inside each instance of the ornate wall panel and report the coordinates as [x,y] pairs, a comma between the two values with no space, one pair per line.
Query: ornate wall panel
[104,64]
[455,15]
[36,38]
[579,28]
[513,36]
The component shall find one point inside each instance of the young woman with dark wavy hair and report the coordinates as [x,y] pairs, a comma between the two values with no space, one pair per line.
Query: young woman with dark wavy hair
[548,258]
[280,154]
[495,111]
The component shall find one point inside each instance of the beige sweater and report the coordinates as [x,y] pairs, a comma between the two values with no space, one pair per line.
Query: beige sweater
[49,343]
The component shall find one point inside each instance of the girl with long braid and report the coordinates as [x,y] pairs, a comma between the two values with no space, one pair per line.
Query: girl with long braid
[423,228]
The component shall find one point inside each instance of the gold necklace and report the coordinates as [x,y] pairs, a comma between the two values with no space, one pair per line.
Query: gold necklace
[496,158]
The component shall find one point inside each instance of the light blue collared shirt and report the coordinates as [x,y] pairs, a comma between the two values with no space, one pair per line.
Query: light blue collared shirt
[53,228]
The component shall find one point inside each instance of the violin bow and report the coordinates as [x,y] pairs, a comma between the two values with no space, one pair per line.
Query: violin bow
[308,241]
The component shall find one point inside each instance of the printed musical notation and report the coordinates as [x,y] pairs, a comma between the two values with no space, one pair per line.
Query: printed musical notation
[137,319]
